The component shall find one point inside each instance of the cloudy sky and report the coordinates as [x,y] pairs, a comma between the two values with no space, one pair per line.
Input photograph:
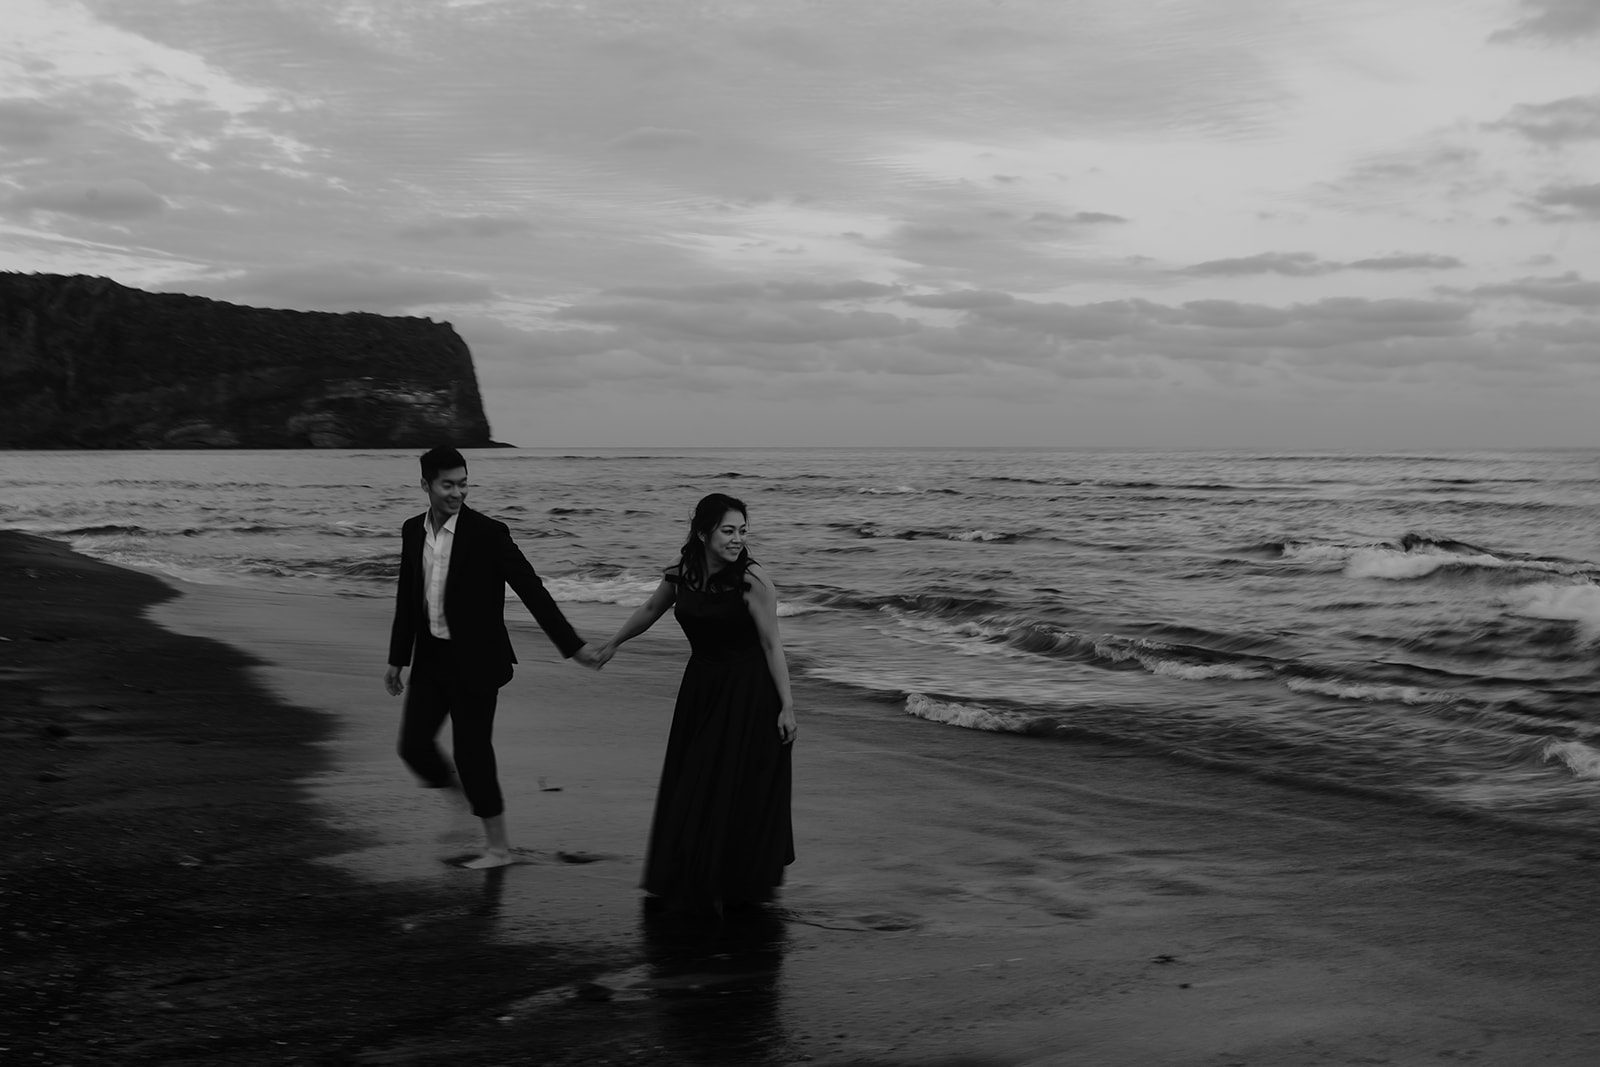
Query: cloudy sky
[1371,224]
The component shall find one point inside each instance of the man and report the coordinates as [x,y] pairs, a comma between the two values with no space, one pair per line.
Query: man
[450,612]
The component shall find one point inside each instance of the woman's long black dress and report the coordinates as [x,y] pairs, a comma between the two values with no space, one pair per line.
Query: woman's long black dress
[721,830]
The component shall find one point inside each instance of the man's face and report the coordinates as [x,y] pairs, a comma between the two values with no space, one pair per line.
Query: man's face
[447,492]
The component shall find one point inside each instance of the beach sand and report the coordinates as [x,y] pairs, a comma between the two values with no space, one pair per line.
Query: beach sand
[214,856]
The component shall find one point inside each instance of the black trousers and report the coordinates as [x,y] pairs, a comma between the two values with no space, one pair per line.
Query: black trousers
[438,690]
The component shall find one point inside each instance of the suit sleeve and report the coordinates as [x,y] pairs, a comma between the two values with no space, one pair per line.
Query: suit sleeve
[402,634]
[520,576]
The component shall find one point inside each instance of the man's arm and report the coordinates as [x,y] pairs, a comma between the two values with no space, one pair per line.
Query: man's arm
[520,576]
[402,632]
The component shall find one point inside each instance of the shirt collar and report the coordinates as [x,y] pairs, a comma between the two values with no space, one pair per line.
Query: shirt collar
[449,526]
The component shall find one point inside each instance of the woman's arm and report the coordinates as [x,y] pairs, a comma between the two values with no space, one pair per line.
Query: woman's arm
[762,597]
[644,616]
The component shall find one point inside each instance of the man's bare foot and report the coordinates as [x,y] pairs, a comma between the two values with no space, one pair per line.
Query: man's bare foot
[494,857]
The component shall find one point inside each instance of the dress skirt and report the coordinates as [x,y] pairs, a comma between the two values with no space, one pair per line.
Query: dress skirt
[721,830]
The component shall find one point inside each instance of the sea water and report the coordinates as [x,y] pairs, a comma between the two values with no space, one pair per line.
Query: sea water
[1424,627]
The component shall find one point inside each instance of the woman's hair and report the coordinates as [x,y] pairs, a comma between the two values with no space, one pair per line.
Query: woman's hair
[707,514]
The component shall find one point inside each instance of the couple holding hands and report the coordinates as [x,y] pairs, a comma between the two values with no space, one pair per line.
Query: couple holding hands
[721,833]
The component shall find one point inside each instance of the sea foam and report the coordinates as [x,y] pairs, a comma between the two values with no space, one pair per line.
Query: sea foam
[1345,690]
[967,716]
[1567,603]
[1400,565]
[581,589]
[1582,760]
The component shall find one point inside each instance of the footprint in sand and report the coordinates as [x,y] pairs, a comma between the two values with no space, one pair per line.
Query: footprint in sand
[482,861]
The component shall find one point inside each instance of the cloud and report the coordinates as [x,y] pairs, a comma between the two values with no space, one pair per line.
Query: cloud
[923,233]
[1307,265]
[769,290]
[1215,328]
[656,139]
[29,124]
[1232,315]
[1105,319]
[1103,339]
[1077,220]
[1579,201]
[117,200]
[1585,333]
[1292,264]
[1436,173]
[1569,290]
[1420,162]
[1553,20]
[1405,262]
[1395,312]
[1574,118]
[774,324]
[350,286]
[467,226]
[961,299]
[967,238]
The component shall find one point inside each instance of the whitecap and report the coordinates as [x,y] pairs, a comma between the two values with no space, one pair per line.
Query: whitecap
[1404,694]
[1567,603]
[1579,758]
[1198,672]
[966,716]
[980,535]
[1394,565]
[579,589]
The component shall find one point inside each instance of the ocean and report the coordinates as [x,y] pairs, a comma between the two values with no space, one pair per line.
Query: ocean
[1419,627]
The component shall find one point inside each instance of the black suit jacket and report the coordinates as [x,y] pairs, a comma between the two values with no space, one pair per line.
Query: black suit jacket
[483,561]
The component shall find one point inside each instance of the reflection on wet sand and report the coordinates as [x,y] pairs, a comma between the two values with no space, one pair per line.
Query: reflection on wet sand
[493,898]
[716,981]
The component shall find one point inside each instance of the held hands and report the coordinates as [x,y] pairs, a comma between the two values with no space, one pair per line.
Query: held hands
[392,682]
[788,729]
[594,658]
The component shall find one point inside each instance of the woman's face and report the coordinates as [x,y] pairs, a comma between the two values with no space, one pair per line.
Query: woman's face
[726,539]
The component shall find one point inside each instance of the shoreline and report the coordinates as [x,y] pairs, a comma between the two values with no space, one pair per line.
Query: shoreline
[224,854]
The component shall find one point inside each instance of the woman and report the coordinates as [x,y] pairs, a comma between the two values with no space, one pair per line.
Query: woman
[721,833]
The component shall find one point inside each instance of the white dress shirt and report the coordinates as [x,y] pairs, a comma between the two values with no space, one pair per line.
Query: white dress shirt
[435,569]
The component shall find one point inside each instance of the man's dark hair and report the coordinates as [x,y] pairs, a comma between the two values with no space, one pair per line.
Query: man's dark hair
[439,459]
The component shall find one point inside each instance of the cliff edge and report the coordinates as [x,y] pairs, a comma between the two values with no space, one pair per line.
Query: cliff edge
[88,363]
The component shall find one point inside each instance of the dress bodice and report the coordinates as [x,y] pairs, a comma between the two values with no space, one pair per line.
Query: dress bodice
[716,620]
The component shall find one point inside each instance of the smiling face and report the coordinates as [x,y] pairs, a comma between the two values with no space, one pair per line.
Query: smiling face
[446,493]
[725,541]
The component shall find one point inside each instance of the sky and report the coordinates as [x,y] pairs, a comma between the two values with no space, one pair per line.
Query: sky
[1371,225]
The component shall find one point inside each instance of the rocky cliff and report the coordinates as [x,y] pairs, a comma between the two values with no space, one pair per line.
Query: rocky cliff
[88,363]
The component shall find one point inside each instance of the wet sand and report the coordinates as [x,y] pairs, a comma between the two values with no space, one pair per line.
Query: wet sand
[218,853]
